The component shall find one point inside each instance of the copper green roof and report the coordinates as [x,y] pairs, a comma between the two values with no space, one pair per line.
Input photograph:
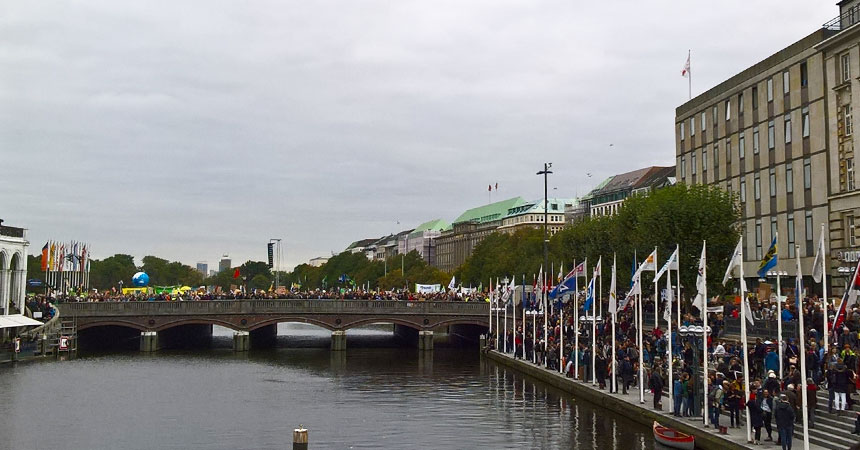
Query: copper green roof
[491,212]
[433,225]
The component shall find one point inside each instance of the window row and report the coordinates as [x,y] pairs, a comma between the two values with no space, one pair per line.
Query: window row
[761,245]
[787,172]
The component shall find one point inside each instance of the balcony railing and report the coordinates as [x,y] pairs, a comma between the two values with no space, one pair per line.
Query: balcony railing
[848,18]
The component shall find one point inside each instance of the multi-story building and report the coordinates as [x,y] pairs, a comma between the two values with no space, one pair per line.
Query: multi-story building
[531,215]
[780,136]
[13,269]
[607,198]
[225,264]
[456,243]
[423,240]
[364,246]
[318,261]
[203,268]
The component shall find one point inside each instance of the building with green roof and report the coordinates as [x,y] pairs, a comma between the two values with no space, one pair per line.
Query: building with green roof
[423,239]
[456,243]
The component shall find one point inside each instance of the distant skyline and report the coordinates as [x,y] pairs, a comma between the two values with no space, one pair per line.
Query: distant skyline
[191,130]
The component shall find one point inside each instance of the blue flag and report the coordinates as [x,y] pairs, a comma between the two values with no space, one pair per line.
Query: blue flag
[769,261]
[566,286]
[589,295]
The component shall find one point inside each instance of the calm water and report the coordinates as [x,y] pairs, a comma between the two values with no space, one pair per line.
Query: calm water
[361,398]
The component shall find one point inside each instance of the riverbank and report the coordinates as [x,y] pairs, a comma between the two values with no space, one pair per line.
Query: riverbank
[629,406]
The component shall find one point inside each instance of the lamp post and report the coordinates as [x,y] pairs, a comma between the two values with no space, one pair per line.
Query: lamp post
[545,172]
[779,274]
[505,280]
[277,260]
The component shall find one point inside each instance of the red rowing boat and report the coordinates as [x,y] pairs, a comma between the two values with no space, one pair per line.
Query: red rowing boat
[673,438]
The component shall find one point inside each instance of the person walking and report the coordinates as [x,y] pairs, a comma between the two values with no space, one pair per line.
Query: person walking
[756,419]
[811,396]
[766,405]
[784,416]
[626,374]
[840,385]
[677,396]
[655,383]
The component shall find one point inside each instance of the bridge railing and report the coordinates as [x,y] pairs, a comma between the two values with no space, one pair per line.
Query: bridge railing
[304,306]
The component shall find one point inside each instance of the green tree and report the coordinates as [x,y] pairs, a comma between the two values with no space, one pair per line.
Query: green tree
[107,273]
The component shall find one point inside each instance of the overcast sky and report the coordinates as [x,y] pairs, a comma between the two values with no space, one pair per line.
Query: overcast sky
[196,128]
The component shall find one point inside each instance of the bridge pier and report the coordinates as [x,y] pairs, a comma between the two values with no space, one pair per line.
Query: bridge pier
[425,340]
[149,341]
[338,341]
[241,341]
[264,337]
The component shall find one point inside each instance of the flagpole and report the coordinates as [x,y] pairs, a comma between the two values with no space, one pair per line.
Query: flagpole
[593,329]
[779,317]
[523,301]
[491,306]
[514,310]
[505,339]
[689,78]
[561,338]
[705,332]
[744,338]
[551,273]
[576,322]
[613,309]
[498,316]
[641,350]
[678,272]
[669,331]
[824,290]
[534,324]
[545,320]
[656,294]
[802,338]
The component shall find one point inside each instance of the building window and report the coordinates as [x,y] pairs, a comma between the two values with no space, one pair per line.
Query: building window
[849,226]
[771,175]
[683,168]
[789,178]
[757,186]
[804,114]
[807,173]
[743,189]
[770,89]
[704,160]
[786,83]
[846,117]
[682,131]
[758,239]
[741,103]
[704,121]
[808,226]
[755,141]
[770,136]
[716,156]
[714,114]
[804,75]
[729,109]
[849,174]
[693,163]
[755,97]
[728,151]
[742,148]
[845,62]
[787,128]
[773,228]
[692,126]
[791,235]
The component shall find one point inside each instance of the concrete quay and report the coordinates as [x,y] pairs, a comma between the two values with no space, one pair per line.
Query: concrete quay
[628,405]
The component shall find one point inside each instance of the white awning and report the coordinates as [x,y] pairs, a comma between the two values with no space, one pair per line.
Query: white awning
[17,320]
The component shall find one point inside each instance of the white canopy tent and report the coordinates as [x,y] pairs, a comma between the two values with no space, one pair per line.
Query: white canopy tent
[17,320]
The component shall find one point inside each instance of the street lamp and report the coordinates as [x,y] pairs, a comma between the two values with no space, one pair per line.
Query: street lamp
[277,260]
[695,334]
[545,172]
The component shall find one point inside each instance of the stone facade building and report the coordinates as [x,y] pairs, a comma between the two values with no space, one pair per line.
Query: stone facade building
[780,136]
[13,269]
[456,243]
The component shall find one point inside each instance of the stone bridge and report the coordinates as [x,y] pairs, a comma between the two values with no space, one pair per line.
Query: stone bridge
[256,320]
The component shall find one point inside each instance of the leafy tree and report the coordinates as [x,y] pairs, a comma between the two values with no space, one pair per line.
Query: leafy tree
[107,273]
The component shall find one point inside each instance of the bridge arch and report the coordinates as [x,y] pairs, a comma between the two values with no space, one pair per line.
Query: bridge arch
[292,319]
[385,320]
[111,323]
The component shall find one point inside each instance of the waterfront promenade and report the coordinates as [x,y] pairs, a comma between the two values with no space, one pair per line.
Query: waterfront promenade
[628,405]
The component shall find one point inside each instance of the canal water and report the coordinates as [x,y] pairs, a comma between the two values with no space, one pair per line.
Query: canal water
[367,397]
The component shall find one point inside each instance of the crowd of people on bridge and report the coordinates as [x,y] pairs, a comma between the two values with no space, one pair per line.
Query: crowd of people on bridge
[775,389]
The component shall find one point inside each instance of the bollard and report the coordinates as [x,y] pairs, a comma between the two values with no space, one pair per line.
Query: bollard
[300,438]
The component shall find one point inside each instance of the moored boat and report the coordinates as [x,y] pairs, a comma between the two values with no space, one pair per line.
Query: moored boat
[673,438]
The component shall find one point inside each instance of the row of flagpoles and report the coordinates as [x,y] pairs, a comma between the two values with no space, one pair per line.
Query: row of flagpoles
[66,265]
[569,286]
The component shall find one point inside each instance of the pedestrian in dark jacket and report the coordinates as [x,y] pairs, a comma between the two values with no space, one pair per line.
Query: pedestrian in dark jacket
[626,374]
[655,383]
[600,369]
[756,419]
[765,403]
[784,416]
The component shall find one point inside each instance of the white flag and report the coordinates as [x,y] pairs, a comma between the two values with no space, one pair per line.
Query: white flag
[701,283]
[598,271]
[671,264]
[650,263]
[667,311]
[452,285]
[736,261]
[613,300]
[818,264]
[749,310]
[685,72]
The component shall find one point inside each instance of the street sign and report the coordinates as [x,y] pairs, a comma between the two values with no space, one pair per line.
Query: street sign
[64,343]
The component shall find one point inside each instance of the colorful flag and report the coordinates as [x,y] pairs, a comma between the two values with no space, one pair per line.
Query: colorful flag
[589,296]
[45,257]
[565,287]
[685,72]
[236,273]
[559,278]
[769,261]
[452,285]
[650,263]
[52,256]
[613,297]
[577,271]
